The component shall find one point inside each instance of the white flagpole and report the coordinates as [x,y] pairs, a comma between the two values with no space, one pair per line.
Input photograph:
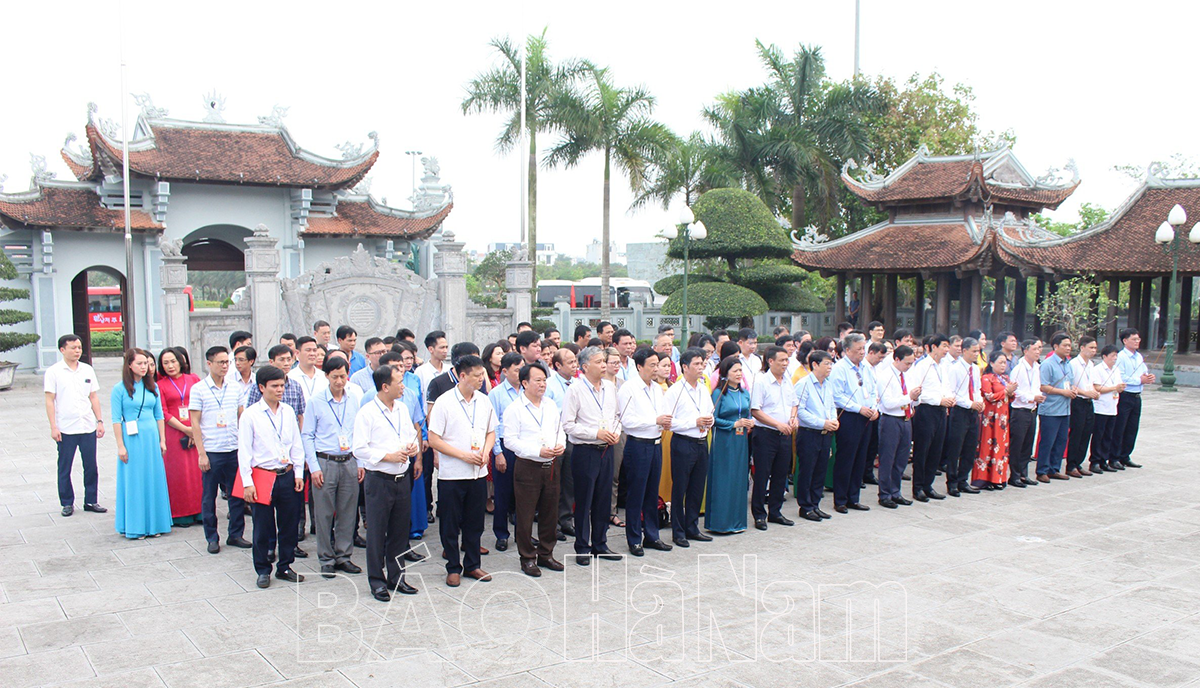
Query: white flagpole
[130,319]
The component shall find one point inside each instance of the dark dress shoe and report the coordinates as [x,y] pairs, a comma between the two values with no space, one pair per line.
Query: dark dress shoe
[479,575]
[858,506]
[699,536]
[534,541]
[781,520]
[822,514]
[404,588]
[869,479]
[327,571]
[347,567]
[95,508]
[1097,468]
[902,501]
[887,503]
[681,542]
[289,576]
[381,594]
[583,559]
[300,554]
[760,523]
[213,547]
[412,556]
[919,495]
[810,515]
[1028,481]
[530,568]
[270,556]
[1017,483]
[568,530]
[360,541]
[1127,464]
[1083,471]
[607,554]
[953,492]
[968,488]
[484,550]
[264,581]
[656,544]
[562,537]
[934,494]
[841,508]
[551,563]
[501,545]
[1116,466]
[68,510]
[637,550]
[239,542]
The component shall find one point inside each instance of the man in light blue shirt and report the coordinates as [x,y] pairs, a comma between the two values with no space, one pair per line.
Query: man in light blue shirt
[503,459]
[328,438]
[362,377]
[1135,375]
[1055,412]
[817,417]
[854,393]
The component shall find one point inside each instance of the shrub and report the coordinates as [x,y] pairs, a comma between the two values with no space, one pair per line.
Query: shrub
[669,285]
[108,341]
[739,226]
[8,316]
[716,299]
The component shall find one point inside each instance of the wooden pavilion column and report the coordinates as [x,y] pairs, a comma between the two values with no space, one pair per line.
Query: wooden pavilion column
[1133,318]
[1185,315]
[1039,296]
[919,307]
[865,296]
[1110,318]
[997,323]
[1020,305]
[839,302]
[1164,287]
[1144,310]
[964,304]
[891,284]
[975,321]
[941,321]
[1049,328]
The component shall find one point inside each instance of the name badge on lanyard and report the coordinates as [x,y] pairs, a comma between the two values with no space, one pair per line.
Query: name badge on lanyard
[221,420]
[344,442]
[183,413]
[131,428]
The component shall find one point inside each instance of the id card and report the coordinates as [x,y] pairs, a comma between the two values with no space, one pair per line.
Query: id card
[183,413]
[740,430]
[476,439]
[221,419]
[344,442]
[131,428]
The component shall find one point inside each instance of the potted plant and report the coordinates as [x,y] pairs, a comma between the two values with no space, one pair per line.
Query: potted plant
[11,340]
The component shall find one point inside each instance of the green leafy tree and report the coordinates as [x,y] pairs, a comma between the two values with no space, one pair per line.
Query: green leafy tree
[499,90]
[1078,306]
[1090,215]
[615,122]
[682,167]
[486,283]
[739,157]
[9,316]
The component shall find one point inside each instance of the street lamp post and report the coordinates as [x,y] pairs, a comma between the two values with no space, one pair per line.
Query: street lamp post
[1168,236]
[688,228]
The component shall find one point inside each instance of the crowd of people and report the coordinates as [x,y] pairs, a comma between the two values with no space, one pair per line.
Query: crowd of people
[323,439]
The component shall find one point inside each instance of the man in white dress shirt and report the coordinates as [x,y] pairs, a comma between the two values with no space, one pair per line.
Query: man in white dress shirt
[590,420]
[462,430]
[73,409]
[533,434]
[562,375]
[747,342]
[306,373]
[961,446]
[1083,415]
[1022,421]
[269,440]
[386,443]
[773,406]
[896,399]
[691,409]
[643,419]
[1107,378]
[929,418]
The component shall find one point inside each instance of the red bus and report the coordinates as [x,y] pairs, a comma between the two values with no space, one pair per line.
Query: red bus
[104,308]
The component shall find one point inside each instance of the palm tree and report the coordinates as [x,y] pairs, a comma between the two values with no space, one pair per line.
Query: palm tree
[682,167]
[615,121]
[742,121]
[499,90]
[816,125]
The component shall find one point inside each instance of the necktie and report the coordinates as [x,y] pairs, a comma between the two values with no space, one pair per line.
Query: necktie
[907,407]
[971,385]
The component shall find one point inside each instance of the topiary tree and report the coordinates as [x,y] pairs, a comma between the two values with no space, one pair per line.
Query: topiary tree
[722,302]
[8,316]
[750,250]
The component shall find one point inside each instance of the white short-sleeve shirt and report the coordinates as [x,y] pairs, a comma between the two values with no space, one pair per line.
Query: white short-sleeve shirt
[72,390]
[455,421]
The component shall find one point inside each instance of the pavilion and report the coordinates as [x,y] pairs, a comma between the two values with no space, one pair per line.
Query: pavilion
[959,221]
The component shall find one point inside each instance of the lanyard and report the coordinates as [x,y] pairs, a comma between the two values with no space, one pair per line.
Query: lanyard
[310,386]
[600,401]
[463,405]
[333,411]
[221,399]
[738,394]
[143,402]
[538,418]
[183,394]
[384,412]
[278,429]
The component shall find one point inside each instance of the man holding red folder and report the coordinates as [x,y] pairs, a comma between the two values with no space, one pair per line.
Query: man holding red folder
[270,477]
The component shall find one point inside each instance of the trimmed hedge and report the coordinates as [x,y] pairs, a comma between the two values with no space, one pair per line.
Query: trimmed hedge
[739,226]
[789,297]
[8,316]
[758,276]
[108,341]
[669,285]
[716,299]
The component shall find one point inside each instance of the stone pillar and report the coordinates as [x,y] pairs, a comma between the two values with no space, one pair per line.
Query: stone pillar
[1020,306]
[262,283]
[450,264]
[941,320]
[1183,343]
[518,280]
[839,301]
[562,306]
[919,307]
[998,305]
[865,296]
[173,278]
[1110,318]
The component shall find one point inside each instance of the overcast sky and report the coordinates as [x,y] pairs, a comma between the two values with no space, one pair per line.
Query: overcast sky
[1103,83]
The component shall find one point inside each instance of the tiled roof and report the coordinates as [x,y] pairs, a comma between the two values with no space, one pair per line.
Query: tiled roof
[889,247]
[1125,243]
[363,217]
[81,170]
[231,154]
[65,205]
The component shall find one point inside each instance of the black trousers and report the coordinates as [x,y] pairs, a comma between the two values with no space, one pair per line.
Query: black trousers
[222,471]
[812,448]
[535,490]
[852,441]
[1129,417]
[86,444]
[593,469]
[772,464]
[872,448]
[1079,436]
[566,488]
[1021,425]
[461,508]
[389,505]
[689,472]
[502,489]
[929,434]
[961,445]
[1103,442]
[643,469]
[276,522]
[895,443]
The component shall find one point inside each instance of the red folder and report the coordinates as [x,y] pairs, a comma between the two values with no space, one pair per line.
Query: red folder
[264,482]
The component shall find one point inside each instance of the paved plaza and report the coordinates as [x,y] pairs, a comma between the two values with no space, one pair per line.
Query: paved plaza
[1090,583]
